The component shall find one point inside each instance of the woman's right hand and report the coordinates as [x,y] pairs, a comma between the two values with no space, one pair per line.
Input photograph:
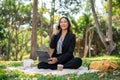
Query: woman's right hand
[56,32]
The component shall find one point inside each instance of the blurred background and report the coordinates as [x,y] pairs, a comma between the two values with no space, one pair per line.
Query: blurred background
[27,26]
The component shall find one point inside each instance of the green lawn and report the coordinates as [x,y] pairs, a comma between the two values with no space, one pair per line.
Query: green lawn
[16,75]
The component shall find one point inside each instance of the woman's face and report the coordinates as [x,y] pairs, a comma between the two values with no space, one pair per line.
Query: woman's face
[64,24]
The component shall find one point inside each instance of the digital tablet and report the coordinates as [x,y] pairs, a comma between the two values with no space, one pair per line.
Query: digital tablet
[43,56]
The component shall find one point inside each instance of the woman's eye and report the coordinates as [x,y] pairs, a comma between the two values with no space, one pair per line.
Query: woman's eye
[63,22]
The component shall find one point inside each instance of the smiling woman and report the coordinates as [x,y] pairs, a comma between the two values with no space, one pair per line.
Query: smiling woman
[63,42]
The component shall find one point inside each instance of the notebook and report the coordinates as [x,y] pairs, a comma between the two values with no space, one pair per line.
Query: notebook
[43,56]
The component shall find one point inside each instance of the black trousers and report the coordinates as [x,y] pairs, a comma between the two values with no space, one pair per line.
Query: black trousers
[72,64]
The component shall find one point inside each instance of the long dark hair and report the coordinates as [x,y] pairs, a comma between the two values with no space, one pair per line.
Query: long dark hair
[69,24]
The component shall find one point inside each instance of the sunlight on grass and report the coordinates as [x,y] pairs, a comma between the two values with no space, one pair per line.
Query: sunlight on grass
[103,57]
[87,61]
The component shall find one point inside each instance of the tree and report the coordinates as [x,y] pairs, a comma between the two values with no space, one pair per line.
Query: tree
[3,35]
[108,39]
[68,7]
[33,54]
[12,12]
[51,18]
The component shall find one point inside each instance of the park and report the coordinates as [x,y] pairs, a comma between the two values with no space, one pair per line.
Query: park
[29,25]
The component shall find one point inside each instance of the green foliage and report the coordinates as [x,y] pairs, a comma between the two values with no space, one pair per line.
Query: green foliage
[13,14]
[3,35]
[12,75]
[87,61]
[116,7]
[116,38]
[3,42]
[82,23]
[16,64]
[50,77]
[68,7]
[4,76]
[2,32]
[2,67]
[4,64]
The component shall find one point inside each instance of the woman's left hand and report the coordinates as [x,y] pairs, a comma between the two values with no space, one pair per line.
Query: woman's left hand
[53,60]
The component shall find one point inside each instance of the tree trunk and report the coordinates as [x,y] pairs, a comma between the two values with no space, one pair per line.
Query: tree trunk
[9,45]
[100,33]
[33,54]
[112,45]
[51,25]
[51,18]
[41,33]
[86,43]
[16,45]
[90,41]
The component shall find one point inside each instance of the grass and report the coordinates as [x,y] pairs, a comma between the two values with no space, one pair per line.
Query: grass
[16,75]
[87,61]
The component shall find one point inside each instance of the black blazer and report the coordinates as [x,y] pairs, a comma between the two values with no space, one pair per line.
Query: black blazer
[68,47]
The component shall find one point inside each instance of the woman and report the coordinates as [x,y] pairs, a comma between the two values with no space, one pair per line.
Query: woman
[63,42]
